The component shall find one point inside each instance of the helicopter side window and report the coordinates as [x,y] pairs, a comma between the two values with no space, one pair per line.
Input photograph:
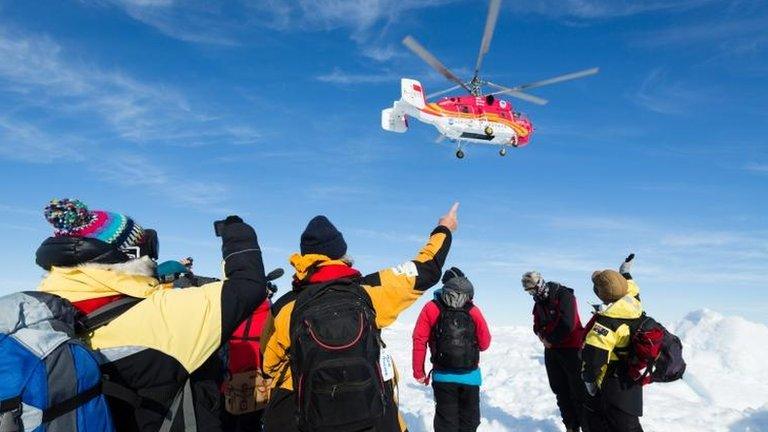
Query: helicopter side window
[464,109]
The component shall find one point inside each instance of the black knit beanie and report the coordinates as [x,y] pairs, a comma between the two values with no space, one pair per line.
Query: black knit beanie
[322,238]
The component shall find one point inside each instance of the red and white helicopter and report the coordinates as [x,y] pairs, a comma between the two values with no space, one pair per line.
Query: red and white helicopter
[480,118]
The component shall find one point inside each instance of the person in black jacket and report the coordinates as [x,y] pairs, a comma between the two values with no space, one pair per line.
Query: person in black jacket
[557,324]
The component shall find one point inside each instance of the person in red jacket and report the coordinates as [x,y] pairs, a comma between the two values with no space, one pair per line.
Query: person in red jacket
[456,332]
[245,357]
[557,324]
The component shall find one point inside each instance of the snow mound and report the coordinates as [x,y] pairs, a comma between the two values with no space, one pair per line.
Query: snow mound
[726,358]
[724,389]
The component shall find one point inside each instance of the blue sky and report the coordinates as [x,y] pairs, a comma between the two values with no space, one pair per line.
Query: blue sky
[179,113]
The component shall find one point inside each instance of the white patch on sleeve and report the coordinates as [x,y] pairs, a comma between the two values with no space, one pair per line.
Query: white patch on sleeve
[406,269]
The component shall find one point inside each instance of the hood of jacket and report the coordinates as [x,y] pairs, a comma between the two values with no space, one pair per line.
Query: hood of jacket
[88,281]
[73,251]
[627,307]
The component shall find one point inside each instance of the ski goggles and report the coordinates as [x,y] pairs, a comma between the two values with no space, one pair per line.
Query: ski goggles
[149,246]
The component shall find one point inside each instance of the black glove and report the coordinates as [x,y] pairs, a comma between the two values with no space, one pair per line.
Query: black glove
[591,387]
[626,266]
[237,236]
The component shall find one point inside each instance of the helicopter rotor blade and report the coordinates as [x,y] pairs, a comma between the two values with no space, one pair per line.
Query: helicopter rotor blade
[514,92]
[431,95]
[431,60]
[558,79]
[490,26]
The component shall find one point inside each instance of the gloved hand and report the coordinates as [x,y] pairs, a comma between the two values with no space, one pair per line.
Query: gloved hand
[423,380]
[237,236]
[591,388]
[626,266]
[545,342]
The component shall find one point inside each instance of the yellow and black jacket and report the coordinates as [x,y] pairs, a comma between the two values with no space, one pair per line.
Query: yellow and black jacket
[606,350]
[391,291]
[154,346]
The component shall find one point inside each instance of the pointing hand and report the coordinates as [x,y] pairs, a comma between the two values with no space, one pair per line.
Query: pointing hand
[450,220]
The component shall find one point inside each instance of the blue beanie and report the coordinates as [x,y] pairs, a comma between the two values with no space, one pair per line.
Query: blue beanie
[322,238]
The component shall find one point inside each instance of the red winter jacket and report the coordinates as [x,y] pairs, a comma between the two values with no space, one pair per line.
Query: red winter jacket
[556,318]
[244,352]
[422,334]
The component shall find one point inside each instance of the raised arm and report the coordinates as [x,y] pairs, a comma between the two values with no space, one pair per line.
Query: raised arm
[394,289]
[244,286]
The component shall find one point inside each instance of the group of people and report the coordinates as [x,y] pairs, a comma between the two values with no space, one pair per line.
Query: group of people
[176,351]
[587,366]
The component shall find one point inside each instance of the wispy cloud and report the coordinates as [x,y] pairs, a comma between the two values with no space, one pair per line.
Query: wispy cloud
[133,170]
[25,142]
[340,77]
[211,23]
[659,94]
[602,9]
[758,168]
[38,73]
[704,33]
[105,111]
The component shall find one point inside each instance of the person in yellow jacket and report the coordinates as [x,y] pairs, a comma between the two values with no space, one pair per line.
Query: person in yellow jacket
[323,260]
[149,351]
[615,401]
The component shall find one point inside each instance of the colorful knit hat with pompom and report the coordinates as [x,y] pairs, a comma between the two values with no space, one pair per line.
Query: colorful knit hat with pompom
[71,218]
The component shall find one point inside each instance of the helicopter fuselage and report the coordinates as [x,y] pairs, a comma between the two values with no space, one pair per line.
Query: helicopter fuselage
[476,119]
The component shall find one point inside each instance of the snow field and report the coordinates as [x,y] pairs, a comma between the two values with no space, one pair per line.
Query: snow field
[725,388]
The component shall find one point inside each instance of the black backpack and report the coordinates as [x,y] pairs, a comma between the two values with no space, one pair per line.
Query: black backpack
[455,339]
[335,348]
[656,354]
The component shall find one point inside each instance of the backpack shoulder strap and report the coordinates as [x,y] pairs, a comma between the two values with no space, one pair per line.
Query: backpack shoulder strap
[439,303]
[105,314]
[70,404]
[181,402]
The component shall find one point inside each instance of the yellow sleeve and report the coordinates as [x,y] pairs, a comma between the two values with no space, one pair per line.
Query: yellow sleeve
[632,288]
[276,363]
[394,295]
[395,289]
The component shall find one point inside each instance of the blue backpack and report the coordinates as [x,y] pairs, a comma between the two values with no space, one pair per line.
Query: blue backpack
[49,380]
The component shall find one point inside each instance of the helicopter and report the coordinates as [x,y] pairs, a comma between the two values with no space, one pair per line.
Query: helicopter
[477,117]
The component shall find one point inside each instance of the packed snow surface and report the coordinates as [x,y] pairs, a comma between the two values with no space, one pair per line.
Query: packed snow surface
[725,387]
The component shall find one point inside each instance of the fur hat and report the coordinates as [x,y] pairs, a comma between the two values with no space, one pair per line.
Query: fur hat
[322,238]
[71,218]
[609,285]
[532,280]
